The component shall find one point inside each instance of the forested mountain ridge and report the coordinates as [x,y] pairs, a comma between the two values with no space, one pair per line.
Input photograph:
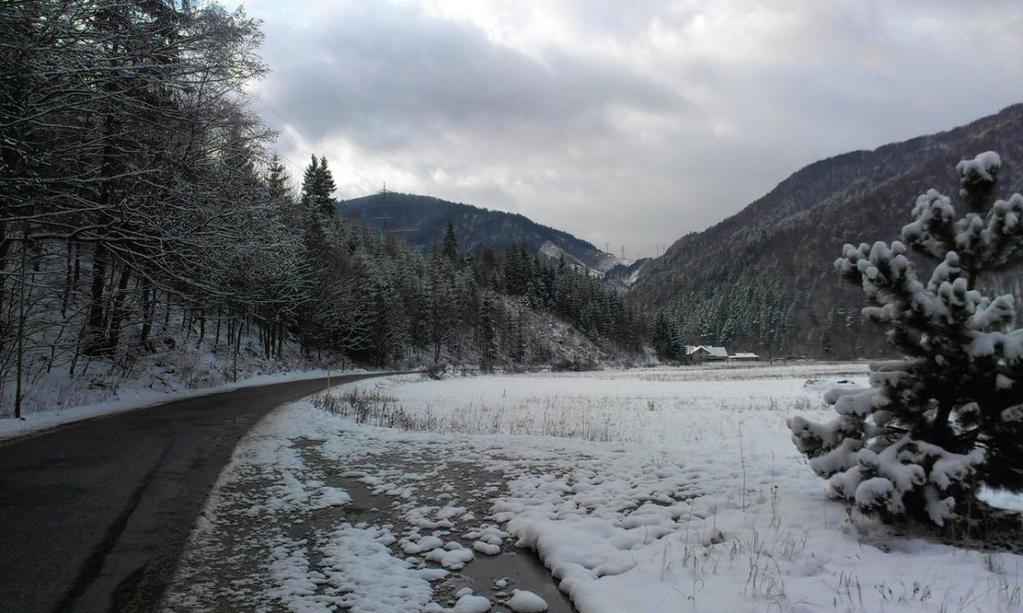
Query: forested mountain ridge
[763,279]
[420,221]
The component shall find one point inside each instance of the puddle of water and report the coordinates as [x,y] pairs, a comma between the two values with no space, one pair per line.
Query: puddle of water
[523,570]
[520,567]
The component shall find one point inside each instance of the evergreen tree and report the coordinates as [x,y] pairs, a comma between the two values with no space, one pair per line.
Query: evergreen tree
[440,311]
[661,336]
[486,334]
[450,245]
[311,183]
[517,342]
[326,188]
[277,180]
[516,270]
[852,327]
[318,187]
[727,333]
[947,419]
[828,334]
[678,345]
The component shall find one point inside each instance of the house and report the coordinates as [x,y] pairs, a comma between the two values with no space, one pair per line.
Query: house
[705,353]
[743,357]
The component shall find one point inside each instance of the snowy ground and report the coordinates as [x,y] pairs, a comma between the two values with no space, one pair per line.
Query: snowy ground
[642,490]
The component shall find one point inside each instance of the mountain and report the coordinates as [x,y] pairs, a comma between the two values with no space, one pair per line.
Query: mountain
[763,278]
[624,274]
[421,221]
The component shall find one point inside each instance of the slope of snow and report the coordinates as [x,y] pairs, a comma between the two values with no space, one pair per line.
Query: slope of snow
[606,262]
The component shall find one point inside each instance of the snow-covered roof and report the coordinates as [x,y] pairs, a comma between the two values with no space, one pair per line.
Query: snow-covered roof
[746,356]
[718,352]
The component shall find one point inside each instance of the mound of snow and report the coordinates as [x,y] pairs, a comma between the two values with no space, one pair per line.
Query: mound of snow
[524,601]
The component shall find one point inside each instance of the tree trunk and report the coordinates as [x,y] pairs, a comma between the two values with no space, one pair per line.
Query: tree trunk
[148,305]
[202,328]
[117,309]
[77,276]
[216,336]
[237,344]
[280,339]
[68,273]
[94,324]
[167,313]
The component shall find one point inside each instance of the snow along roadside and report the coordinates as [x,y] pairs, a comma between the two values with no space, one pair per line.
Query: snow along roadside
[134,399]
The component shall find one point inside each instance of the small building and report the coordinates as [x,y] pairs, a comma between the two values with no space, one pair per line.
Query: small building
[706,353]
[743,357]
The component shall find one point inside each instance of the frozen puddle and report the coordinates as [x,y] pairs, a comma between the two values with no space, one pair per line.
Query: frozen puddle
[496,576]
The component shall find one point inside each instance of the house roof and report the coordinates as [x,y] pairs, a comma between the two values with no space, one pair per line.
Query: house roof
[751,356]
[718,352]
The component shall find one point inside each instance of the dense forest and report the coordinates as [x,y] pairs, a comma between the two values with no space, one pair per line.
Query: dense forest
[143,210]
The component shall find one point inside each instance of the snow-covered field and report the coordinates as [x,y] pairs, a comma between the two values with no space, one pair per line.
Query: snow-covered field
[642,490]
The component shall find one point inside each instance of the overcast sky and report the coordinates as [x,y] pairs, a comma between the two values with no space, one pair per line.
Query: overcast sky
[621,122]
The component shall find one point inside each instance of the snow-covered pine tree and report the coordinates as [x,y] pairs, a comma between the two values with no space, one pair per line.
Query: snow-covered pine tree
[325,196]
[660,336]
[727,332]
[948,418]
[486,334]
[277,180]
[311,182]
[828,334]
[517,340]
[318,187]
[441,311]
[678,344]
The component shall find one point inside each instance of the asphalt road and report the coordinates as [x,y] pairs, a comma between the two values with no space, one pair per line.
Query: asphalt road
[95,515]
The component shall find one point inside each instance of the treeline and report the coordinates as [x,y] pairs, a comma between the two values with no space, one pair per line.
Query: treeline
[139,210]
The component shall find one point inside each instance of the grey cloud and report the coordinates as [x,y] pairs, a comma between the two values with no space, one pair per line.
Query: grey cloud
[643,143]
[390,77]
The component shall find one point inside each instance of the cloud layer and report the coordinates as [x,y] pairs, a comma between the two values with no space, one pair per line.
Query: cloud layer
[626,127]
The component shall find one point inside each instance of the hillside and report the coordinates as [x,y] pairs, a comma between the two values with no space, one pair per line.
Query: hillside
[624,274]
[763,278]
[420,221]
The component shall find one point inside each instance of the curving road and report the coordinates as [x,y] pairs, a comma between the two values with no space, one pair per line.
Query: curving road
[94,515]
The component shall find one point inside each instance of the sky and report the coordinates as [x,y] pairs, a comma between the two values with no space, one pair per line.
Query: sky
[628,124]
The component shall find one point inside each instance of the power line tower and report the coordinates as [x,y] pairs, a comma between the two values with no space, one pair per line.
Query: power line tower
[383,209]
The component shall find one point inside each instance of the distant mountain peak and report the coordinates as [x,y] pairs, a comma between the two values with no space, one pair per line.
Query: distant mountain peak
[421,220]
